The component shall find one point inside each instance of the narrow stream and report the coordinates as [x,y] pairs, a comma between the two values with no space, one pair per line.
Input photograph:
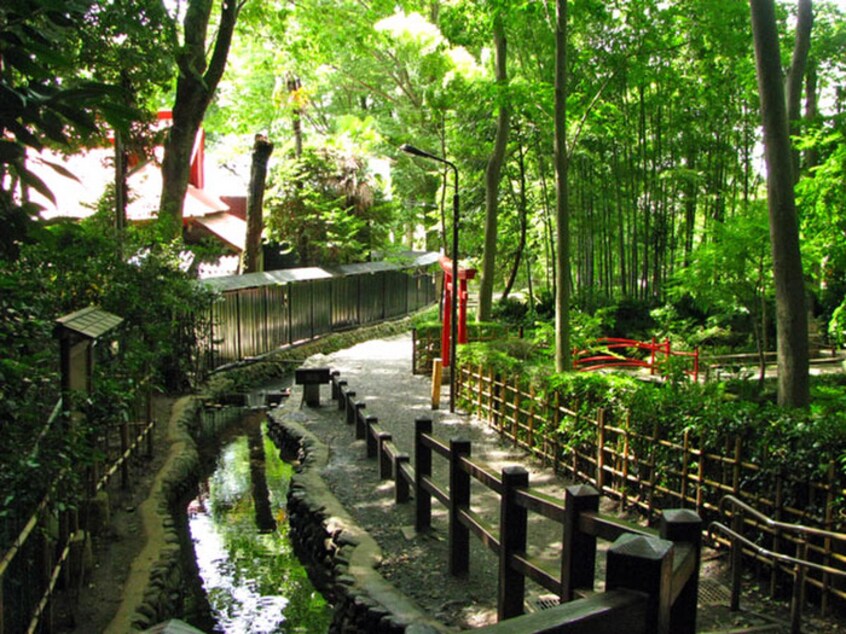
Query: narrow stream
[253,581]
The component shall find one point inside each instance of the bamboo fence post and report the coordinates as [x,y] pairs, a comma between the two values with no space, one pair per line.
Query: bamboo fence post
[685,467]
[600,451]
[625,469]
[556,421]
[735,471]
[515,423]
[700,480]
[653,471]
[829,526]
[531,433]
[574,449]
[481,384]
[777,515]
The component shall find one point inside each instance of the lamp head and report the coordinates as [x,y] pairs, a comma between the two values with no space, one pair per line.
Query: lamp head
[410,149]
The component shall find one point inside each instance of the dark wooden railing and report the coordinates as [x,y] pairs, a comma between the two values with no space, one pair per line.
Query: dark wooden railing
[652,576]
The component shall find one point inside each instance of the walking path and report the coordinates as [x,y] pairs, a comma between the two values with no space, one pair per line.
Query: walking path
[380,373]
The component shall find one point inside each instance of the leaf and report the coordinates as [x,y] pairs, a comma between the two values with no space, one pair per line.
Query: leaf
[60,169]
[10,151]
[36,183]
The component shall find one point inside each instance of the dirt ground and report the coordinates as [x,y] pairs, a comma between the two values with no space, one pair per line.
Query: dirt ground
[89,608]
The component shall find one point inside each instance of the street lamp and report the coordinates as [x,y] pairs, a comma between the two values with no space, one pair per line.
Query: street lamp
[453,337]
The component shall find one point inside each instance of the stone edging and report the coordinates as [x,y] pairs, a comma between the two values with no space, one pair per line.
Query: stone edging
[342,557]
[155,588]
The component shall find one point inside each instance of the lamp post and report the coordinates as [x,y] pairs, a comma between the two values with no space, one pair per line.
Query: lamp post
[453,337]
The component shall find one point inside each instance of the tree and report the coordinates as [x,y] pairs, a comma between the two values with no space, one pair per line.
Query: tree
[262,150]
[493,170]
[792,320]
[563,356]
[195,86]
[796,73]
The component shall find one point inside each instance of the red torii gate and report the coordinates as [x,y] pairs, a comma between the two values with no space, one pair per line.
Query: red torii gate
[446,330]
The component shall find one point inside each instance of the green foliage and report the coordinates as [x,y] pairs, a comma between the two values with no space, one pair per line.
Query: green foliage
[327,207]
[65,74]
[794,443]
[70,267]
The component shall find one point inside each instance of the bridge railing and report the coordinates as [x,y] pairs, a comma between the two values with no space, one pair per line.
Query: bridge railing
[660,567]
[614,352]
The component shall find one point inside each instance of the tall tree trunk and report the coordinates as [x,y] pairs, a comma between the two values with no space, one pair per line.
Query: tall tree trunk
[522,211]
[563,356]
[120,190]
[792,320]
[492,173]
[812,157]
[294,86]
[796,74]
[262,150]
[194,90]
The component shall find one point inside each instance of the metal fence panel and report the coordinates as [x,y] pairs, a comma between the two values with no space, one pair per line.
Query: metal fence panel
[300,311]
[396,294]
[225,331]
[258,313]
[372,297]
[345,302]
[253,326]
[321,310]
[277,316]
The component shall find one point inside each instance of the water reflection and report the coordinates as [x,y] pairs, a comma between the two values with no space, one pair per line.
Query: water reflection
[253,580]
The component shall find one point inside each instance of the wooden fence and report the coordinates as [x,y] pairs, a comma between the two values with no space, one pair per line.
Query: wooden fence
[48,553]
[653,472]
[652,576]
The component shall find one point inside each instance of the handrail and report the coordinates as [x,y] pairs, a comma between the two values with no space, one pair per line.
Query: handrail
[782,526]
[760,550]
[799,562]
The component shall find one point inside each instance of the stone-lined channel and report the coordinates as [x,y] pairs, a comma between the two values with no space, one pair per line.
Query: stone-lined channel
[253,581]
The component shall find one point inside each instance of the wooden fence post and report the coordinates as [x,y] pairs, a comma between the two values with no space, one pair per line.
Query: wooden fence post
[400,483]
[385,463]
[361,424]
[342,395]
[124,447]
[372,445]
[578,558]
[681,525]
[600,450]
[333,380]
[644,564]
[422,470]
[459,500]
[353,411]
[346,396]
[512,539]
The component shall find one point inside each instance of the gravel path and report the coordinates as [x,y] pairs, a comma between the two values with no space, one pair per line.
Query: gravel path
[380,373]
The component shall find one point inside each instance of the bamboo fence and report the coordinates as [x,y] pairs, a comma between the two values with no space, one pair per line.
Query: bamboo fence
[651,472]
